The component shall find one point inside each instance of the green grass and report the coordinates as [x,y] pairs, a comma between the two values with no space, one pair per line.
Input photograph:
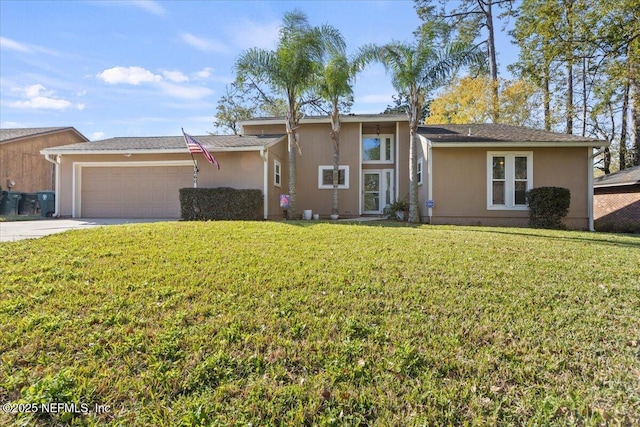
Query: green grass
[299,323]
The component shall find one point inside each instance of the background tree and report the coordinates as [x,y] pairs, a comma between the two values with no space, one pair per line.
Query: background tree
[233,107]
[290,71]
[416,70]
[467,21]
[587,52]
[469,100]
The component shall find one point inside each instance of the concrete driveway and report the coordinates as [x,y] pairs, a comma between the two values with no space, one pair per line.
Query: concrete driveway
[19,230]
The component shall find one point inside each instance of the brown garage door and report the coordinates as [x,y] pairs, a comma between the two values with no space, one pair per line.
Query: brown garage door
[133,192]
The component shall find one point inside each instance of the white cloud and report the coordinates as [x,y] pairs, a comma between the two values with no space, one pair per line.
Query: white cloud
[17,46]
[129,75]
[42,102]
[97,135]
[36,90]
[175,76]
[185,92]
[149,6]
[6,43]
[204,45]
[39,98]
[204,73]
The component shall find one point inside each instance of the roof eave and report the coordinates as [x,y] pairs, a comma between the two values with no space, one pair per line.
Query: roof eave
[63,129]
[495,144]
[154,151]
[343,119]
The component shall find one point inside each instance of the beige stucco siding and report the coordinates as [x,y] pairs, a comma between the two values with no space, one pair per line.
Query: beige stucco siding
[277,152]
[460,184]
[237,170]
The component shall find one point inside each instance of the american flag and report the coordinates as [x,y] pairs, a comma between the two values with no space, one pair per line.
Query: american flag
[195,147]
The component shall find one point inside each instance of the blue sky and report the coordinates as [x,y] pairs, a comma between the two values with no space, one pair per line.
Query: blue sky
[143,68]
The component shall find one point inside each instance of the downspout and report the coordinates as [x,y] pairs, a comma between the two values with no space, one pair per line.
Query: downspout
[56,166]
[590,186]
[265,182]
[430,178]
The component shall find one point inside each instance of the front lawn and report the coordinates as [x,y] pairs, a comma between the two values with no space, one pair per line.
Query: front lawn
[307,323]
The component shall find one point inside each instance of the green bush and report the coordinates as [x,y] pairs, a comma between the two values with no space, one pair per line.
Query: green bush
[220,203]
[548,206]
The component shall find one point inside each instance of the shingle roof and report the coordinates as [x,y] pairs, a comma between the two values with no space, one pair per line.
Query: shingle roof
[7,135]
[167,143]
[499,134]
[630,176]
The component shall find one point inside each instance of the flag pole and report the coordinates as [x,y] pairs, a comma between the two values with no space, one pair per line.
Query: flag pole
[195,165]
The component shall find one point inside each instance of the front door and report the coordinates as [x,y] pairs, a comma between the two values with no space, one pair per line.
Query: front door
[377,190]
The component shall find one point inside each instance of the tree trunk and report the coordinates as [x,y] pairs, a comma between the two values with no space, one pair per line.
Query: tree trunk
[570,60]
[493,64]
[547,100]
[634,98]
[414,108]
[335,138]
[623,127]
[584,97]
[292,145]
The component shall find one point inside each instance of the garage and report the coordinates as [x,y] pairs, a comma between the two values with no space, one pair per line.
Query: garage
[132,191]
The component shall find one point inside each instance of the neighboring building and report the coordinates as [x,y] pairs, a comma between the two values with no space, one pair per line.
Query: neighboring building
[469,174]
[20,159]
[616,201]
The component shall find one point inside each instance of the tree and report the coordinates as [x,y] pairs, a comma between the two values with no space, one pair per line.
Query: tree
[416,70]
[291,71]
[464,23]
[233,108]
[401,103]
[469,100]
[334,86]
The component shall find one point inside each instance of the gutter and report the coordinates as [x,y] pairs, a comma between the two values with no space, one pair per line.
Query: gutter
[590,186]
[56,163]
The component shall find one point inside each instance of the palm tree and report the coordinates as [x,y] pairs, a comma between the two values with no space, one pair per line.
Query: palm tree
[291,72]
[335,88]
[416,70]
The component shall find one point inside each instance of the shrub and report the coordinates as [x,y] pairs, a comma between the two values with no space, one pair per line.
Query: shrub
[548,206]
[220,203]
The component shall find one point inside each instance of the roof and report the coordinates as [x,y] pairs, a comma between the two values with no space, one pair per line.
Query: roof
[10,135]
[489,134]
[166,144]
[629,176]
[345,118]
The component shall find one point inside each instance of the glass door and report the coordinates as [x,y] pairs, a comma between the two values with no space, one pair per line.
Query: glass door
[372,191]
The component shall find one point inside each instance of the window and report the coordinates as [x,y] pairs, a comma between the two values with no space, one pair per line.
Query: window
[325,177]
[509,177]
[377,149]
[419,170]
[277,173]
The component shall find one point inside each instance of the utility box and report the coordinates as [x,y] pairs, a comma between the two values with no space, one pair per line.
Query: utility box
[9,202]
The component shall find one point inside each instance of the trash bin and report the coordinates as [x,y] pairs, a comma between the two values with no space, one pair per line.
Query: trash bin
[47,203]
[28,204]
[9,203]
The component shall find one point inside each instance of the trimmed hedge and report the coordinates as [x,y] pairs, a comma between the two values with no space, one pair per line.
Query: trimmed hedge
[225,203]
[548,206]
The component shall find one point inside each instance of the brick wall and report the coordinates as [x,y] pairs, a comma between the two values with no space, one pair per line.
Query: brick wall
[617,208]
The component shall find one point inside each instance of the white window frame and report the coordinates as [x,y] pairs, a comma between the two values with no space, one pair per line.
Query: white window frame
[509,182]
[419,170]
[277,173]
[322,168]
[383,148]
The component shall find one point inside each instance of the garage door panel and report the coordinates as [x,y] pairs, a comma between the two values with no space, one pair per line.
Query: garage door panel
[133,192]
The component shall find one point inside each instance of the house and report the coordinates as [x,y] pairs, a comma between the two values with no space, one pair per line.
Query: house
[22,167]
[616,201]
[139,177]
[468,174]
